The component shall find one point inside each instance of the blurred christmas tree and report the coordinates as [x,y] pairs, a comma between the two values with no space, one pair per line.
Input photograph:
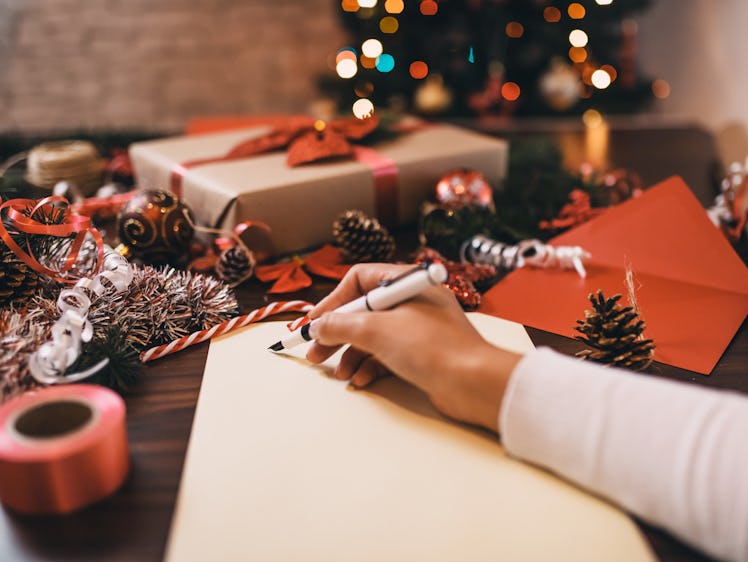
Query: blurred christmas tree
[507,57]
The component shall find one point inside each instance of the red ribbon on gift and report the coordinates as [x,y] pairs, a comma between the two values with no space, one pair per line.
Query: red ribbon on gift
[290,276]
[310,140]
[103,207]
[20,217]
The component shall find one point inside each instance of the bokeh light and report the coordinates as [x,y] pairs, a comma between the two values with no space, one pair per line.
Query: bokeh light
[346,68]
[388,24]
[611,72]
[349,5]
[592,118]
[661,89]
[394,6]
[385,63]
[578,38]
[367,3]
[429,7]
[363,108]
[576,11]
[604,2]
[578,54]
[600,79]
[552,14]
[510,91]
[368,62]
[419,69]
[363,89]
[372,48]
[345,53]
[514,29]
[587,71]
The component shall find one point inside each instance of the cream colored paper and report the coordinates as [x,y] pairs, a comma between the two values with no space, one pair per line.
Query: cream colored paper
[301,203]
[287,464]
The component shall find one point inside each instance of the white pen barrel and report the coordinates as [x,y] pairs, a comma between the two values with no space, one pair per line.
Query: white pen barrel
[406,288]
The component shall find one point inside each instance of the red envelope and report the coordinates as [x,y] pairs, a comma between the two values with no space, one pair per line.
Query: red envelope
[691,286]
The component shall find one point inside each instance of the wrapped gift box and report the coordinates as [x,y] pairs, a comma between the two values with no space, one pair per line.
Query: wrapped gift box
[300,203]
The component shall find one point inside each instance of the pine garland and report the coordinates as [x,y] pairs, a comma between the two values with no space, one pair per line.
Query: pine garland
[159,306]
[20,335]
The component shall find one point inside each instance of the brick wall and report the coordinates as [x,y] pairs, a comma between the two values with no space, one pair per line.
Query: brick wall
[152,64]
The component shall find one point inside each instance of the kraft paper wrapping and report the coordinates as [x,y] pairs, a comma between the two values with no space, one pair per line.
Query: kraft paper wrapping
[287,464]
[301,203]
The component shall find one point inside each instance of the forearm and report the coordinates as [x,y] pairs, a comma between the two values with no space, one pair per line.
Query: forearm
[673,454]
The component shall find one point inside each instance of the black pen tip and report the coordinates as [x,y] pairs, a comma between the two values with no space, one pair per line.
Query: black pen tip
[278,346]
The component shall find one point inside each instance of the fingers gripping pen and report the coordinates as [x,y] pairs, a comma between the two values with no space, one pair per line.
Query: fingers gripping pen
[388,294]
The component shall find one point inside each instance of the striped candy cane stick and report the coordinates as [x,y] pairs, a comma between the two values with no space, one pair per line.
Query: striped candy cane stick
[225,327]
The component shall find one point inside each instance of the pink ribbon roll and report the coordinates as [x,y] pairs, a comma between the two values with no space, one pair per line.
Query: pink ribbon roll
[62,448]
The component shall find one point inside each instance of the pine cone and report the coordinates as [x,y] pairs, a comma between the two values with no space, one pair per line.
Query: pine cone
[615,334]
[361,238]
[17,280]
[235,265]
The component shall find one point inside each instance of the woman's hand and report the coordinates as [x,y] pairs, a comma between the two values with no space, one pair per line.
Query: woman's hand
[427,341]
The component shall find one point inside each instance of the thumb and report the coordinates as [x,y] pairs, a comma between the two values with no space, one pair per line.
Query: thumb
[356,328]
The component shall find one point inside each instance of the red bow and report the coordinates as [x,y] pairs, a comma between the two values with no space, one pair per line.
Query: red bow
[307,140]
[290,276]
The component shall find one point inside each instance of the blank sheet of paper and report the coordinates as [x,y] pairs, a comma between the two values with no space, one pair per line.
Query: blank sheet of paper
[286,463]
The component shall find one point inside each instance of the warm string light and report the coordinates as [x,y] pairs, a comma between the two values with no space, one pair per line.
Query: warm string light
[510,91]
[349,5]
[576,11]
[551,14]
[346,68]
[600,79]
[578,38]
[372,55]
[372,48]
[578,54]
[661,89]
[394,6]
[418,70]
[429,7]
[514,29]
[388,25]
[363,108]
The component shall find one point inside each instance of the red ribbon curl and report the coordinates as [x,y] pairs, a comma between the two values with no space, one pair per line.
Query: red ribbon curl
[20,216]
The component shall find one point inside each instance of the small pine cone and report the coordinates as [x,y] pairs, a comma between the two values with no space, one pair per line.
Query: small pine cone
[18,281]
[615,334]
[234,265]
[361,238]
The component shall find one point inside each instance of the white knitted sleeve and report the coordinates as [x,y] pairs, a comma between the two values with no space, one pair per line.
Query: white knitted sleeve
[674,454]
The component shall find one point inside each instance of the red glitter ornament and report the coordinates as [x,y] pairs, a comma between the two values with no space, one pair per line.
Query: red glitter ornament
[462,277]
[463,187]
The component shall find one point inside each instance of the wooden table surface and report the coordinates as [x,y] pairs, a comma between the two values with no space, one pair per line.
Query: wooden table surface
[134,523]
